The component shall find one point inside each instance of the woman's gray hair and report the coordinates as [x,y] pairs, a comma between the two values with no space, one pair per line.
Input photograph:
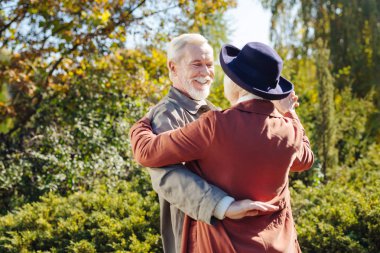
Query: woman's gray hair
[176,45]
[236,88]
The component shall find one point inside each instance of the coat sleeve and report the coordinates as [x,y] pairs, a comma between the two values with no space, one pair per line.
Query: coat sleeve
[181,145]
[174,183]
[304,156]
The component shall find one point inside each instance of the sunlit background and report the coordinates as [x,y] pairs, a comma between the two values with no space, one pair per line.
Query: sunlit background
[75,75]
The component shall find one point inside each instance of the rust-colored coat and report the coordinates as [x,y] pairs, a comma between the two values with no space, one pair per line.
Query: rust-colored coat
[248,151]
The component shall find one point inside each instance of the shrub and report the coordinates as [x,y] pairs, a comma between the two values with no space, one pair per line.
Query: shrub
[77,136]
[119,219]
[344,214]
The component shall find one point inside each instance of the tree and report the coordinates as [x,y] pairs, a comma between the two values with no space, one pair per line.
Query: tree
[326,128]
[74,76]
[298,29]
[49,40]
[351,32]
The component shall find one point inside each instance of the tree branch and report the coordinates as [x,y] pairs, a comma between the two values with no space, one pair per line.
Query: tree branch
[156,12]
[18,17]
[56,64]
[137,6]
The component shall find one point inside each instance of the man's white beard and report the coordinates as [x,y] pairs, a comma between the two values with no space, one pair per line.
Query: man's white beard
[197,94]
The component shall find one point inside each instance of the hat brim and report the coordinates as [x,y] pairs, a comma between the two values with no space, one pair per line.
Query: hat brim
[283,88]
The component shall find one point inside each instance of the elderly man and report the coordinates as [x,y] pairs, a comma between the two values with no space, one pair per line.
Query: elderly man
[248,150]
[191,70]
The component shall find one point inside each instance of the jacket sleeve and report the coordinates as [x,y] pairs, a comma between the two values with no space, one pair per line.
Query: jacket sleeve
[181,145]
[174,183]
[304,156]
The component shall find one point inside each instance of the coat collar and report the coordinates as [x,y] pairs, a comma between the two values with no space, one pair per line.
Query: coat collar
[258,106]
[248,96]
[190,105]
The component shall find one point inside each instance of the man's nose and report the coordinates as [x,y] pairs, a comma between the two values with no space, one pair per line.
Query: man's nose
[205,70]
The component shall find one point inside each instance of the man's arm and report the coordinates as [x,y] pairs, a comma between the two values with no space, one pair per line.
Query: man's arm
[189,192]
[181,187]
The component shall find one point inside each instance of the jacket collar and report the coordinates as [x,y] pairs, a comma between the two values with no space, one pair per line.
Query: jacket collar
[190,105]
[258,106]
[248,96]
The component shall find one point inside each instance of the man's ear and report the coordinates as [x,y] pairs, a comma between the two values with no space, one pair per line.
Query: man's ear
[172,67]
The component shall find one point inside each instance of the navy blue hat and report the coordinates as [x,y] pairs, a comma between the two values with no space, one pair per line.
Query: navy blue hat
[257,69]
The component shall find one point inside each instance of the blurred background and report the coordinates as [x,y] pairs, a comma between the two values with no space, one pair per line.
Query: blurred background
[74,76]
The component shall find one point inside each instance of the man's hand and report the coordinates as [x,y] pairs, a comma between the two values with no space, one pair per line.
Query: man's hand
[243,208]
[287,104]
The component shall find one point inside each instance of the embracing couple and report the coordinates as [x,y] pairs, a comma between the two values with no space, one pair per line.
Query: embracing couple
[222,176]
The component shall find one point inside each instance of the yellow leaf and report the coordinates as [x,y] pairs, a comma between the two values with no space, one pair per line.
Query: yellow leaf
[83,14]
[119,57]
[105,16]
[79,72]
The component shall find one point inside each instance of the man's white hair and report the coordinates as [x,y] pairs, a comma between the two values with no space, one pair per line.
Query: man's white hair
[176,45]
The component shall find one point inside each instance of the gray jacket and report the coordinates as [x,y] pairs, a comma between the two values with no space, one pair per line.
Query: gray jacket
[180,191]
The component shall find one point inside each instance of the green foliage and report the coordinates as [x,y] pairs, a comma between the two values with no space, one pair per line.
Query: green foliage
[117,219]
[78,135]
[350,121]
[299,25]
[70,89]
[353,138]
[217,90]
[48,40]
[326,123]
[344,214]
[353,45]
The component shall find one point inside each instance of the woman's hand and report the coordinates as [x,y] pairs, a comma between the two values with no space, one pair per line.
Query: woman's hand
[287,104]
[242,208]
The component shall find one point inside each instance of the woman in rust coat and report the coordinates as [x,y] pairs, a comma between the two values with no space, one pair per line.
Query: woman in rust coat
[247,150]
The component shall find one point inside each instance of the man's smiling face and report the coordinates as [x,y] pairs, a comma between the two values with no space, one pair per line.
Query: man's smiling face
[195,71]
